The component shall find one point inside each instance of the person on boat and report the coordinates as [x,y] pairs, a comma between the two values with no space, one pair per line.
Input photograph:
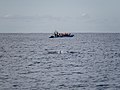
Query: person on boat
[56,33]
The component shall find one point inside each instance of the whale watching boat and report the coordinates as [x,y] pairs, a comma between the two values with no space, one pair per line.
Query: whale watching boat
[56,35]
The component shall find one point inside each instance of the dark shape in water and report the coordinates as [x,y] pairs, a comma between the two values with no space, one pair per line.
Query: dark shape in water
[56,35]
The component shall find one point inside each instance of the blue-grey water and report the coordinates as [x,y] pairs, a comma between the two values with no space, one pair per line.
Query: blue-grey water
[83,62]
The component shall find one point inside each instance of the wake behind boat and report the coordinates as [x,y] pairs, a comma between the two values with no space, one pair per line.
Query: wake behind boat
[56,35]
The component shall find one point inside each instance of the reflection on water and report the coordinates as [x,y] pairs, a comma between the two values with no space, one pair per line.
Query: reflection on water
[36,62]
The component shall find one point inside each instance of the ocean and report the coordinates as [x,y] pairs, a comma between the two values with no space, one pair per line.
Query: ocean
[87,61]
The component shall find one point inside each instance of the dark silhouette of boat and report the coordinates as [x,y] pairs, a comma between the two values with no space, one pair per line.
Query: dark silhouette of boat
[56,35]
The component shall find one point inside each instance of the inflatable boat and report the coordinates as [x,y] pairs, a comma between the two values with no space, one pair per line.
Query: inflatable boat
[57,35]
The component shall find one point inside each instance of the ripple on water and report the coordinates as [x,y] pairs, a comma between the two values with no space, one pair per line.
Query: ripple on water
[35,62]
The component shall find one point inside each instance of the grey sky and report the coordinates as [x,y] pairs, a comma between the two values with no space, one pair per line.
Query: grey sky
[62,15]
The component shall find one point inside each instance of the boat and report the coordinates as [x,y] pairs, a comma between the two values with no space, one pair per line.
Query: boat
[56,35]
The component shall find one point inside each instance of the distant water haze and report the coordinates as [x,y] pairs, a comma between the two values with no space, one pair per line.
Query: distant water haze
[45,16]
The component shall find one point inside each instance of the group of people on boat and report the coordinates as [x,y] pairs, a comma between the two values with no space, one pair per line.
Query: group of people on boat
[56,34]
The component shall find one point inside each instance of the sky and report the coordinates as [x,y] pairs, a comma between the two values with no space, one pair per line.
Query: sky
[46,16]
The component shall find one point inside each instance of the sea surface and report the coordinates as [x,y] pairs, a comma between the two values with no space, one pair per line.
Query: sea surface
[87,61]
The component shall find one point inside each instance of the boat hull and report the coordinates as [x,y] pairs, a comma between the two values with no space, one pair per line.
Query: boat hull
[60,36]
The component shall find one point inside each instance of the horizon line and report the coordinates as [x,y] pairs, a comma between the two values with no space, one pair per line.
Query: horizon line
[49,32]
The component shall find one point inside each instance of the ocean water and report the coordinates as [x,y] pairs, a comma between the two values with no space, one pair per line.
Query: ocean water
[87,61]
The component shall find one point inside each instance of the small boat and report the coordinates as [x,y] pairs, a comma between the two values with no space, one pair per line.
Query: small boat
[56,35]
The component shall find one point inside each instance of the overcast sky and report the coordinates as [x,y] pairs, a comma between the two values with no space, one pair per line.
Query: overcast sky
[32,16]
